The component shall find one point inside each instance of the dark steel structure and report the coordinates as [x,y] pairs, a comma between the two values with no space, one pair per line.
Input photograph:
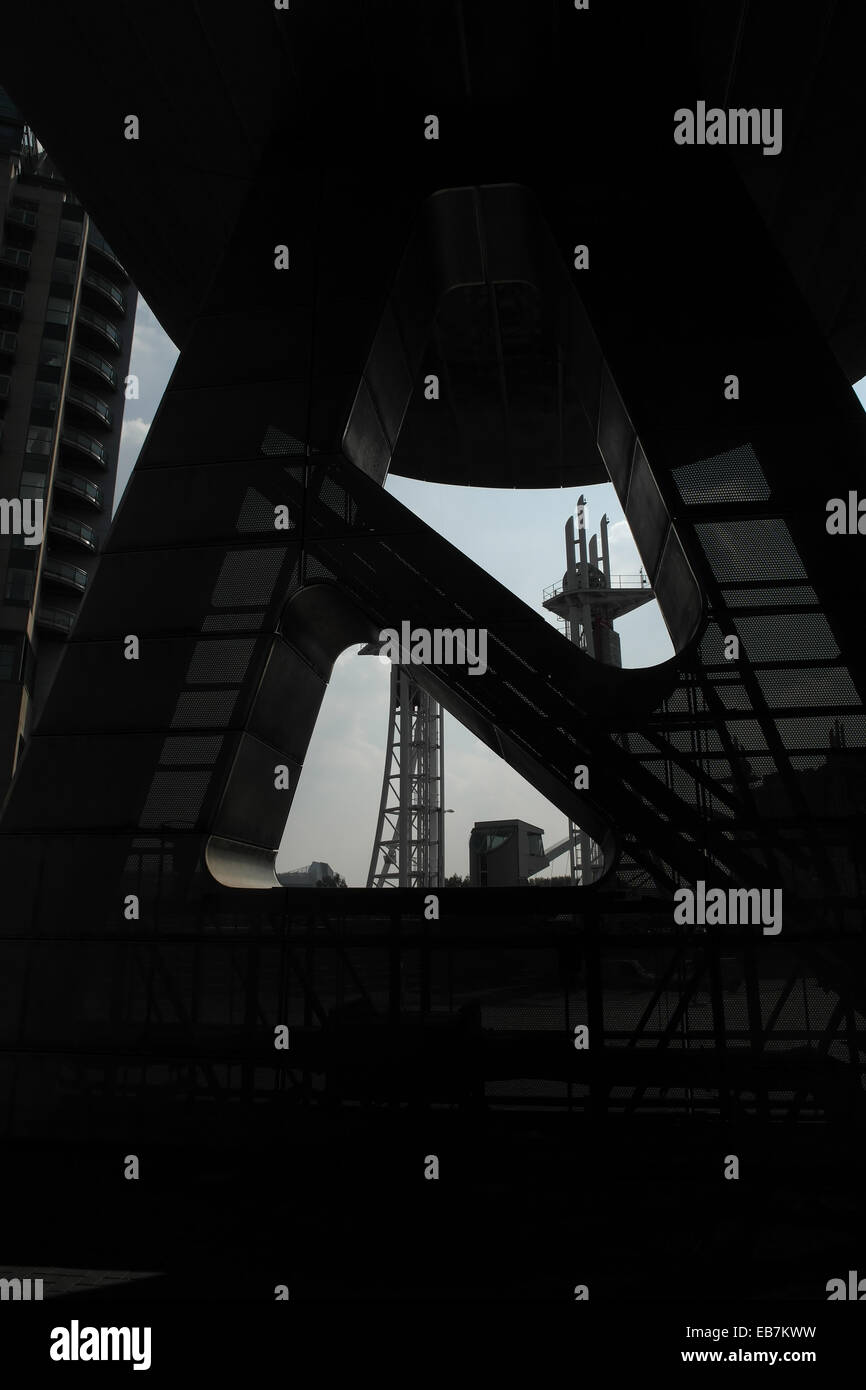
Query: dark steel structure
[319,247]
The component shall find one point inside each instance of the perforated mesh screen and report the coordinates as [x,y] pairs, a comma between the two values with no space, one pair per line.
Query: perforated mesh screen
[333,495]
[787,637]
[778,597]
[193,750]
[175,797]
[316,569]
[278,442]
[247,577]
[257,514]
[750,549]
[232,622]
[208,708]
[735,476]
[220,661]
[815,686]
[815,733]
[733,695]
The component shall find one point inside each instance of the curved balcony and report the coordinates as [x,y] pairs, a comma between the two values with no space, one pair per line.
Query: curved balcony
[91,405]
[67,529]
[64,575]
[108,293]
[84,444]
[99,366]
[79,487]
[54,620]
[96,242]
[100,327]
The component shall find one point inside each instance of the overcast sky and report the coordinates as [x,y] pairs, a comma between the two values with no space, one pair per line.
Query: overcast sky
[518,537]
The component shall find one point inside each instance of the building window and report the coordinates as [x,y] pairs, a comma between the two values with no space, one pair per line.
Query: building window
[58,311]
[33,484]
[39,439]
[70,233]
[63,273]
[19,585]
[51,356]
[8,661]
[45,395]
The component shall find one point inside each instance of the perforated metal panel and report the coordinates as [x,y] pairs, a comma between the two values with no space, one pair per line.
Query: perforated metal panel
[735,476]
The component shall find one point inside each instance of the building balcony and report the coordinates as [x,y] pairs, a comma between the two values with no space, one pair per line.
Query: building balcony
[107,293]
[55,620]
[92,406]
[94,365]
[104,256]
[8,343]
[84,445]
[64,576]
[98,328]
[69,531]
[11,299]
[5,382]
[79,487]
[21,220]
[18,262]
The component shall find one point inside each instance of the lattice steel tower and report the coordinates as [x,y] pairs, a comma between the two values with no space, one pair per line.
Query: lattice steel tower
[409,849]
[587,602]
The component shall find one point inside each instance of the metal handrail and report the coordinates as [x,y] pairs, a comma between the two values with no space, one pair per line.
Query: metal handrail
[617,581]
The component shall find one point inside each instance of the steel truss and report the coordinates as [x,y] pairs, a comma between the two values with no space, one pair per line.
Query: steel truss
[408,851]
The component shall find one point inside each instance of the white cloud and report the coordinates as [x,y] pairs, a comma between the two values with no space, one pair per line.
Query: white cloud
[132,436]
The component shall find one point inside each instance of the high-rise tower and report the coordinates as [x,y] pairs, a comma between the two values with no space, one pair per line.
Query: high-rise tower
[66,316]
[588,601]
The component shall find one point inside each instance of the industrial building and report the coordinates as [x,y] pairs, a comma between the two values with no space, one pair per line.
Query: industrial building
[503,854]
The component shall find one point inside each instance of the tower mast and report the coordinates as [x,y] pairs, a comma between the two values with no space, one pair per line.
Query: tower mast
[409,848]
[587,602]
